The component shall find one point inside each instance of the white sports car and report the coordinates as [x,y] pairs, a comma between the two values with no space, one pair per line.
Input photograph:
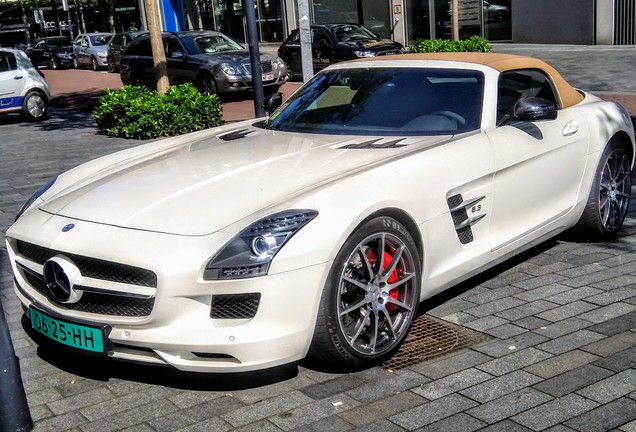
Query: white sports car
[319,230]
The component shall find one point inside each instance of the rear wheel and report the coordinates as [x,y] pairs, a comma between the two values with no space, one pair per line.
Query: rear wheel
[111,65]
[609,197]
[206,84]
[371,296]
[75,63]
[34,106]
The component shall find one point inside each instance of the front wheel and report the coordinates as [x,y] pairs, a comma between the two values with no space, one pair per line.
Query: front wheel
[111,65]
[206,84]
[76,64]
[371,296]
[609,197]
[54,64]
[94,64]
[34,106]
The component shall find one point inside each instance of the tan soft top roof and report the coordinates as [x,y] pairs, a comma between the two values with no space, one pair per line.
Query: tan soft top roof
[502,62]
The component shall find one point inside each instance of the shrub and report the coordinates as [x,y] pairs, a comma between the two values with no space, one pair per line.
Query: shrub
[137,112]
[472,44]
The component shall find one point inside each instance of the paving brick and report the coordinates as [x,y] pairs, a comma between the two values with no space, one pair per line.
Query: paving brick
[562,363]
[554,412]
[629,427]
[505,426]
[567,311]
[514,361]
[328,424]
[582,270]
[451,364]
[572,380]
[501,386]
[606,417]
[526,310]
[617,282]
[131,417]
[381,426]
[452,383]
[432,412]
[143,427]
[262,426]
[613,296]
[485,323]
[564,327]
[61,422]
[616,325]
[267,408]
[395,382]
[507,406]
[620,361]
[608,312]
[531,322]
[494,307]
[450,307]
[458,423]
[573,295]
[308,414]
[500,348]
[492,294]
[332,387]
[115,405]
[613,344]
[540,270]
[381,409]
[611,388]
[570,342]
[82,400]
[211,424]
[542,291]
[505,331]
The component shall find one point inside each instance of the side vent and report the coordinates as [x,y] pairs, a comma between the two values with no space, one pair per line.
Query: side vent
[376,143]
[459,212]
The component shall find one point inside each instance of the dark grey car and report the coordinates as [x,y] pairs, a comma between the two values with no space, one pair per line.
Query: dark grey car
[117,46]
[211,60]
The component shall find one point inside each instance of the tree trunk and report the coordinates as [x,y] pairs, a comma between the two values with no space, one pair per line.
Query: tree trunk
[158,52]
[455,19]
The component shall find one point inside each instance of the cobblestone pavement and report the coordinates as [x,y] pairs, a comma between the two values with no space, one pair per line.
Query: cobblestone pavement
[560,353]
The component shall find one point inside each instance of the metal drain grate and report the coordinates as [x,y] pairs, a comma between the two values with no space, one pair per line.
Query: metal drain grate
[431,337]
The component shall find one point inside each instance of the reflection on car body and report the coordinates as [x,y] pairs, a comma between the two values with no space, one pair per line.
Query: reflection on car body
[380,183]
[23,88]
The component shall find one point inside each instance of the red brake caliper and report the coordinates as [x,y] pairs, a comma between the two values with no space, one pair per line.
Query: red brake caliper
[386,260]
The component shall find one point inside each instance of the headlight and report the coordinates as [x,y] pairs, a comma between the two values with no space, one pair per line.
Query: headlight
[364,53]
[35,196]
[229,69]
[278,63]
[62,55]
[251,251]
[102,54]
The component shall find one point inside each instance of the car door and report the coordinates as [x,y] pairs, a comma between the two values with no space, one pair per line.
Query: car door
[37,53]
[12,82]
[178,71]
[322,49]
[539,164]
[80,46]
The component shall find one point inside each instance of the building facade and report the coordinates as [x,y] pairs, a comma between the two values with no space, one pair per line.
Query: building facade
[609,22]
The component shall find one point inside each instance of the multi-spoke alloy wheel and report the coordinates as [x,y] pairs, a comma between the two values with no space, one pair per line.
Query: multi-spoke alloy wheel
[609,197]
[34,106]
[615,190]
[371,296]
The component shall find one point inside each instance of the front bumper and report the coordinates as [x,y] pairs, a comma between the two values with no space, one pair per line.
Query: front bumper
[180,330]
[237,83]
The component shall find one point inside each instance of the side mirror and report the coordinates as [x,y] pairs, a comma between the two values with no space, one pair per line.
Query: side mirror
[85,44]
[272,102]
[534,108]
[177,55]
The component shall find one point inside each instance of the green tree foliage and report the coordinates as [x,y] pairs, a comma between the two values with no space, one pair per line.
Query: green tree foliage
[137,112]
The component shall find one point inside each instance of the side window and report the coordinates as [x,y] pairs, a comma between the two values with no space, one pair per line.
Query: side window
[40,45]
[320,37]
[7,61]
[141,48]
[171,46]
[515,85]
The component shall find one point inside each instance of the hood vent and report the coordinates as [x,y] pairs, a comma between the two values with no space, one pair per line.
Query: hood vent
[236,134]
[375,144]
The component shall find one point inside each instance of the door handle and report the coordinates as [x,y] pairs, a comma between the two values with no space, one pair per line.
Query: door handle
[18,77]
[570,128]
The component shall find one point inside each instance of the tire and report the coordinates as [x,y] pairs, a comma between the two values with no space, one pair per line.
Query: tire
[54,64]
[76,64]
[206,84]
[34,106]
[111,65]
[366,311]
[136,78]
[94,64]
[609,197]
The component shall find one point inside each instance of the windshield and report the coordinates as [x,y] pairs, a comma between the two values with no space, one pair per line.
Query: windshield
[353,32]
[98,40]
[58,42]
[216,43]
[385,101]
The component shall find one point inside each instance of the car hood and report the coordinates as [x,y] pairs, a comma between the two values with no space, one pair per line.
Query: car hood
[205,184]
[65,49]
[232,56]
[374,44]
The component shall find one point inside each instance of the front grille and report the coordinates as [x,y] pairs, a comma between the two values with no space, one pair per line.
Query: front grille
[389,52]
[266,66]
[235,306]
[92,267]
[97,303]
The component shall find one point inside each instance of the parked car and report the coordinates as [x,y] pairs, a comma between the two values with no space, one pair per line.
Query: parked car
[116,47]
[209,59]
[319,230]
[23,88]
[333,43]
[53,51]
[89,49]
